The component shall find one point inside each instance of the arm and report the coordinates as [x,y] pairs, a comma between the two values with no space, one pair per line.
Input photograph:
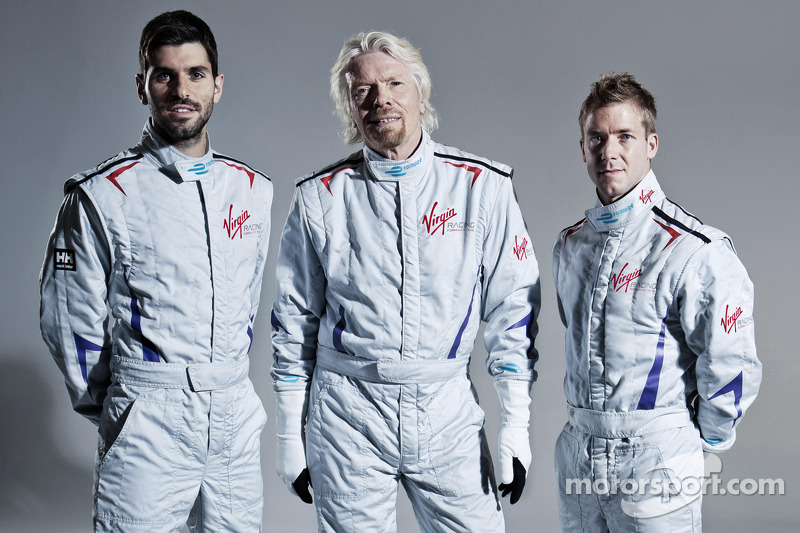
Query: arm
[299,304]
[511,300]
[73,312]
[716,309]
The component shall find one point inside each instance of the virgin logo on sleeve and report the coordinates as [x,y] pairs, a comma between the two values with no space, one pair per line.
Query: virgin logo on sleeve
[733,321]
[236,226]
[521,248]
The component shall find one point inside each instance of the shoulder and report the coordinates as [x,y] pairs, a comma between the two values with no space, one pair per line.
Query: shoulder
[672,215]
[351,162]
[565,233]
[108,169]
[240,166]
[460,159]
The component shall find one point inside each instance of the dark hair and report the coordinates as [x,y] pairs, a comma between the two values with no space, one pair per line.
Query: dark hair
[616,88]
[176,28]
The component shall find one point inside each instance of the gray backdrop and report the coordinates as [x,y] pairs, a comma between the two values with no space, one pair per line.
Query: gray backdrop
[508,79]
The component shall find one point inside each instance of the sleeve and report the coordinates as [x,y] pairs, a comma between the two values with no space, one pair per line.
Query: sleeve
[73,294]
[299,303]
[716,311]
[510,291]
[263,250]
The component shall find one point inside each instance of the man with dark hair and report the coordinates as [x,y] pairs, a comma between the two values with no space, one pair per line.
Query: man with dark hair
[389,261]
[661,358]
[149,289]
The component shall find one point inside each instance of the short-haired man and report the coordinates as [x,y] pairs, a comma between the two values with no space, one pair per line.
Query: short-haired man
[149,289]
[661,358]
[389,260]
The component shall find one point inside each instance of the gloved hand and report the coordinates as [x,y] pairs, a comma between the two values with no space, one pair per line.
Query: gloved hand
[290,457]
[514,449]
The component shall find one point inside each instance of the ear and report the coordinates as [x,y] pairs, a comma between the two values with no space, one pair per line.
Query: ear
[422,106]
[652,145]
[141,89]
[218,87]
[583,152]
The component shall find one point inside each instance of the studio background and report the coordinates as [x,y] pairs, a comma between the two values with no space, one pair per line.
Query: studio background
[508,80]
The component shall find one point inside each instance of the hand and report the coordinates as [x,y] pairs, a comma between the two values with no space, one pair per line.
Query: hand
[302,483]
[290,451]
[518,483]
[514,448]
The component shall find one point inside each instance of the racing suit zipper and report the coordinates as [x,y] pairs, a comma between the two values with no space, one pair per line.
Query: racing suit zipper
[210,264]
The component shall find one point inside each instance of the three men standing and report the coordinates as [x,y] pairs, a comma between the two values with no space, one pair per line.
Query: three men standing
[389,261]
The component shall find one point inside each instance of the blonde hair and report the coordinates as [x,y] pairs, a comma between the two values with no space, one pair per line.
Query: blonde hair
[398,48]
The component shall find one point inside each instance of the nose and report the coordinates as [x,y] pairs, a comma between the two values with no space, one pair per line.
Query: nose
[610,149]
[381,96]
[180,87]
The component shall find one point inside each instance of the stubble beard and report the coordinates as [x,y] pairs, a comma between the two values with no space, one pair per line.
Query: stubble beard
[384,139]
[182,132]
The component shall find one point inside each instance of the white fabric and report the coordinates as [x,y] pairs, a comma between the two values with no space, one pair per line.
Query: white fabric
[149,289]
[290,452]
[385,272]
[513,438]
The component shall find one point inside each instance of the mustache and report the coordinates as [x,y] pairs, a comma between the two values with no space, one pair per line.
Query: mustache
[184,102]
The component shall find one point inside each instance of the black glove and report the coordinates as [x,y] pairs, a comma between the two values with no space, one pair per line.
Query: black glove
[516,486]
[303,481]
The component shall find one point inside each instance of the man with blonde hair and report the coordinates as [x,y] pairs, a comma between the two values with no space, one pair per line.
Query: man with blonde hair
[389,261]
[661,358]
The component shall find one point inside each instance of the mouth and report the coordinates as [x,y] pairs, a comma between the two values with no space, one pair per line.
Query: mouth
[381,121]
[611,172]
[181,108]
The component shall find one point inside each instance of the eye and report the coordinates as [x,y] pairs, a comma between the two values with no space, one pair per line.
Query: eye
[162,77]
[594,139]
[626,137]
[197,75]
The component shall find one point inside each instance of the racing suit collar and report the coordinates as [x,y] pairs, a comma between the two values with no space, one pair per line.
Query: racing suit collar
[172,160]
[390,170]
[628,208]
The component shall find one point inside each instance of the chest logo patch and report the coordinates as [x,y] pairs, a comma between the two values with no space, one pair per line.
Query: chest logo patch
[434,222]
[238,226]
[622,280]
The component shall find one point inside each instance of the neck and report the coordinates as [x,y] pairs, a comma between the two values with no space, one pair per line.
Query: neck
[400,153]
[196,146]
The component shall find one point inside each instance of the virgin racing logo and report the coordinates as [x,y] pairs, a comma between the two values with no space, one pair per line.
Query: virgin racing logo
[237,226]
[434,222]
[731,323]
[522,249]
[621,279]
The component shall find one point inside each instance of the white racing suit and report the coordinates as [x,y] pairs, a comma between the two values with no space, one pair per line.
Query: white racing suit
[661,361]
[385,272]
[149,289]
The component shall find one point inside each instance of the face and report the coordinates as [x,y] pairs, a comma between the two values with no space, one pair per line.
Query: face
[385,104]
[616,150]
[181,92]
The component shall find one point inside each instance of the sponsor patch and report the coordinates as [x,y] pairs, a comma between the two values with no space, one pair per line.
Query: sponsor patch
[522,249]
[238,226]
[64,259]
